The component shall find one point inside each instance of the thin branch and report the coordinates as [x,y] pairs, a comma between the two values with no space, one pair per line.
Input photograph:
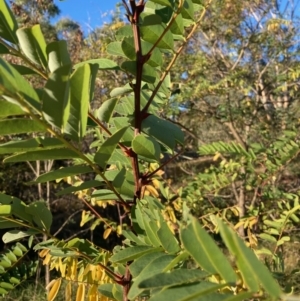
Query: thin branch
[66,221]
[176,55]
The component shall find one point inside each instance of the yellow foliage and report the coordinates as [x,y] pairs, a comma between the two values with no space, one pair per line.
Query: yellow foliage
[107,232]
[80,292]
[54,287]
[68,292]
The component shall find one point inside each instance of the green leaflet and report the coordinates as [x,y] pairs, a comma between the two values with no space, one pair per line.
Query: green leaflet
[152,33]
[124,183]
[108,147]
[81,91]
[52,154]
[188,10]
[58,55]
[56,97]
[128,49]
[120,90]
[14,88]
[132,253]
[8,23]
[115,48]
[107,109]
[14,235]
[175,277]
[33,144]
[254,273]
[83,186]
[19,126]
[205,251]
[41,215]
[153,266]
[191,292]
[169,3]
[146,146]
[153,126]
[106,290]
[177,26]
[102,64]
[149,73]
[167,239]
[3,49]
[24,70]
[106,195]
[63,173]
[33,44]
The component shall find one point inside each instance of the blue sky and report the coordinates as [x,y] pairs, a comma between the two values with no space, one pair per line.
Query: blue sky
[89,13]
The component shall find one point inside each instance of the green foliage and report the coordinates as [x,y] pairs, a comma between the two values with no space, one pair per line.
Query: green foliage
[160,258]
[14,269]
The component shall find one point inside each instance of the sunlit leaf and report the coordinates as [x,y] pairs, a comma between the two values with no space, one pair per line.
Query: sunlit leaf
[33,44]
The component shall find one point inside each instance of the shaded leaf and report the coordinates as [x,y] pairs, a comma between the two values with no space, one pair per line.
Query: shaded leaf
[149,74]
[8,23]
[132,253]
[152,34]
[80,92]
[176,277]
[41,215]
[107,148]
[146,146]
[83,186]
[102,64]
[106,110]
[63,173]
[30,145]
[56,97]
[13,87]
[167,239]
[188,292]
[106,290]
[124,183]
[52,154]
[153,126]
